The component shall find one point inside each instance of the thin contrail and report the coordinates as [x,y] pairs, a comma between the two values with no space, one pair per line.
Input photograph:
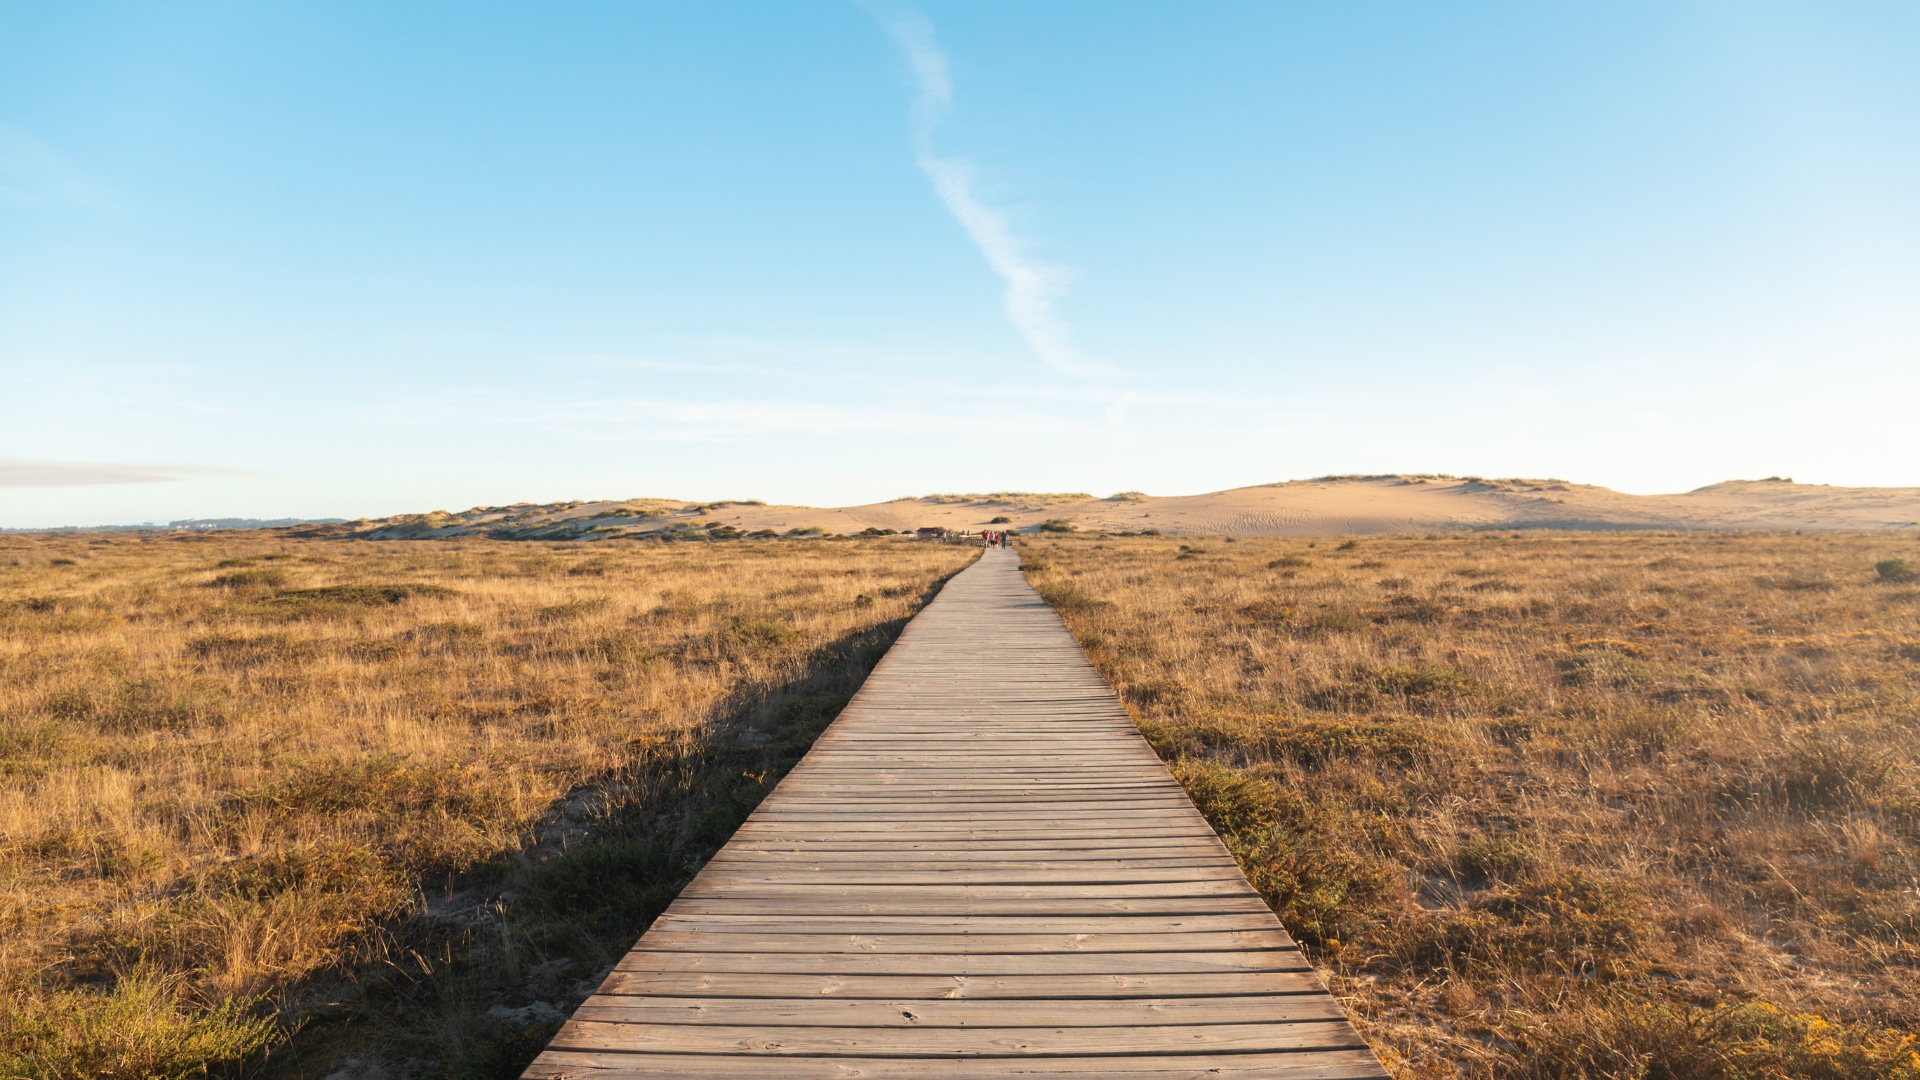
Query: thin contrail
[1031,288]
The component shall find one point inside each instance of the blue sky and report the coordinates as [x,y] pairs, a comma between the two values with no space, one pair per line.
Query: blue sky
[356,258]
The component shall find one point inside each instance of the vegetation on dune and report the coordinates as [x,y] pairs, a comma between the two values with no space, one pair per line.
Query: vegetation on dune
[337,808]
[1018,500]
[1573,805]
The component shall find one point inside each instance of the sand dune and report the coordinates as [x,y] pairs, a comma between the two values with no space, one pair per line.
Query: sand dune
[1329,506]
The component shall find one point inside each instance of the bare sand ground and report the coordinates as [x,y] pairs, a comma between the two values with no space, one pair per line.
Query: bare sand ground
[1329,506]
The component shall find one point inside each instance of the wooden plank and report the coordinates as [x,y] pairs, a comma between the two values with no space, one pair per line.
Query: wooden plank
[915,1041]
[927,831]
[981,869]
[822,906]
[725,885]
[976,1013]
[970,942]
[604,1065]
[1052,987]
[748,862]
[1041,845]
[960,965]
[748,877]
[946,922]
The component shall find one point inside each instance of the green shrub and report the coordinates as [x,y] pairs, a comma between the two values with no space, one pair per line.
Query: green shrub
[1895,570]
[1501,858]
[1799,583]
[1619,1037]
[1603,667]
[621,649]
[1309,862]
[1830,772]
[1069,596]
[1427,685]
[450,633]
[140,1030]
[1269,613]
[360,595]
[1334,621]
[756,632]
[233,650]
[1057,525]
[572,609]
[1420,609]
[162,702]
[1315,741]
[264,578]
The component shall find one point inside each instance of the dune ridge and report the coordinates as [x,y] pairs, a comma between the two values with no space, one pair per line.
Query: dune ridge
[1326,506]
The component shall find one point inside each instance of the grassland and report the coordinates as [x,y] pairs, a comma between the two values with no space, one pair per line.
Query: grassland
[301,807]
[1552,805]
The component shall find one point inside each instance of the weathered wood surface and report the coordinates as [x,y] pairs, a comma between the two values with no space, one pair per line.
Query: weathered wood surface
[980,870]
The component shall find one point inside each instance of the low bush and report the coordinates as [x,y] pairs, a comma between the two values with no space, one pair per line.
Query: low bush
[359,595]
[140,1029]
[264,578]
[1603,667]
[1069,596]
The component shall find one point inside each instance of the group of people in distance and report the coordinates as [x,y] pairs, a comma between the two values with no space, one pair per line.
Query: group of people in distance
[995,539]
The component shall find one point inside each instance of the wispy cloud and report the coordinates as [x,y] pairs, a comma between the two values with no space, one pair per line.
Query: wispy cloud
[15,473]
[35,175]
[1031,287]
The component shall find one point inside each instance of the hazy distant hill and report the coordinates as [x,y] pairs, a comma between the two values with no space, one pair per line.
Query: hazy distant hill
[190,524]
[1327,506]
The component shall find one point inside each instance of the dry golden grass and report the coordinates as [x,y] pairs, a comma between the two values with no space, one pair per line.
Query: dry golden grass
[1554,805]
[407,800]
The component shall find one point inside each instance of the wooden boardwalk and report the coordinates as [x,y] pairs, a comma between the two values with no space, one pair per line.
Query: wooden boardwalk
[980,870]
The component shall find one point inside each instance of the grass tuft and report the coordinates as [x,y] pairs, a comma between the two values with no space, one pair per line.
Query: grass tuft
[138,1030]
[359,595]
